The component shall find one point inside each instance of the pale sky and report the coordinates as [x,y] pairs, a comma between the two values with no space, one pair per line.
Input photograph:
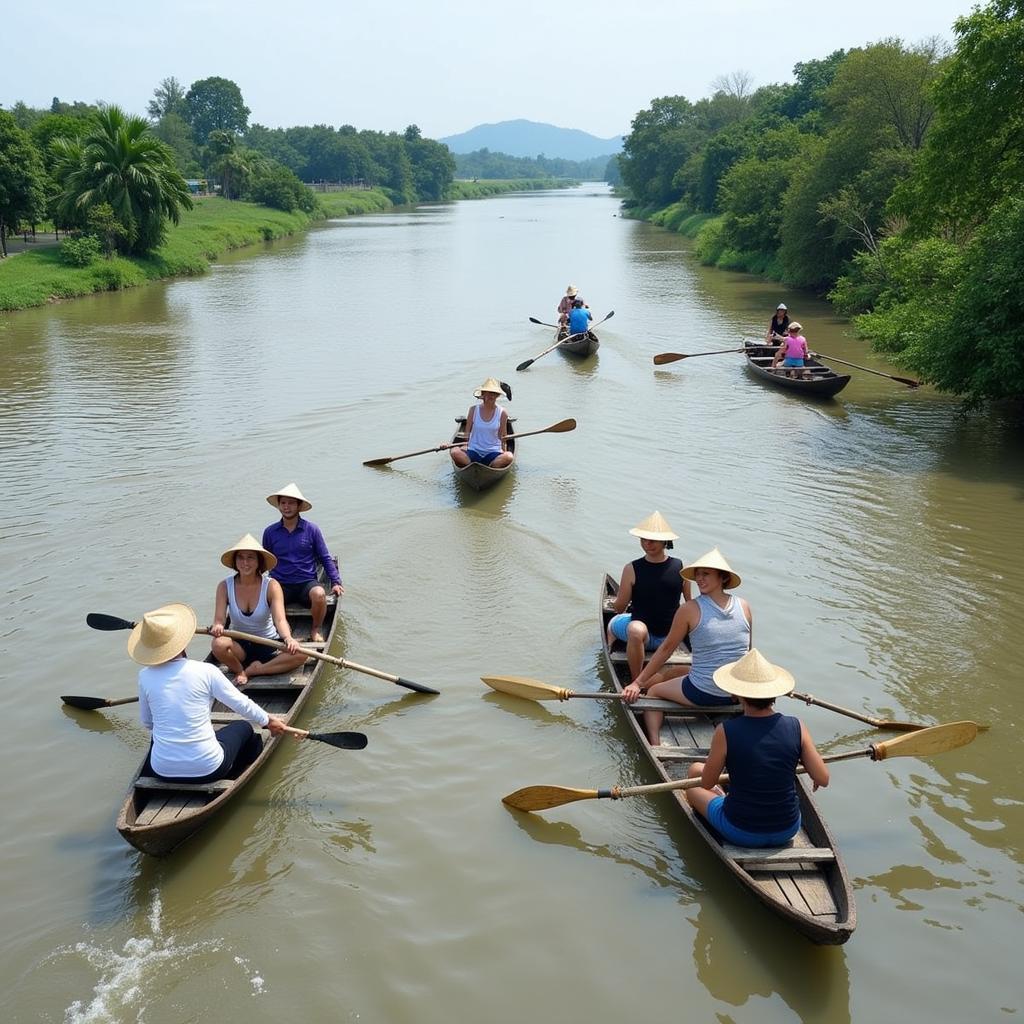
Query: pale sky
[445,65]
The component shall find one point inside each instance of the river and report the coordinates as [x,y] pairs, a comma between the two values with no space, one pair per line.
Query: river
[879,538]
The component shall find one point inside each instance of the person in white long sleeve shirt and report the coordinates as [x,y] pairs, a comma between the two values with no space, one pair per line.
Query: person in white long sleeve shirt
[175,698]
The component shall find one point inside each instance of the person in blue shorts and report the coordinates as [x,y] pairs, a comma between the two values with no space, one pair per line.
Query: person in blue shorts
[718,627]
[649,593]
[760,750]
[486,430]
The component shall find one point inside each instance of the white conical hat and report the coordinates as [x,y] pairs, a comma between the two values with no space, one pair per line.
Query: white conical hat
[290,491]
[248,543]
[754,676]
[162,634]
[714,559]
[654,527]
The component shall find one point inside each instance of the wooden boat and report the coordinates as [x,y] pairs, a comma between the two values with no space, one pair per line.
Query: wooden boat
[581,347]
[806,882]
[476,475]
[158,816]
[824,382]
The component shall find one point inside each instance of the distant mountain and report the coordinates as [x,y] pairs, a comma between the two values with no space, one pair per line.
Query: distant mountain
[531,138]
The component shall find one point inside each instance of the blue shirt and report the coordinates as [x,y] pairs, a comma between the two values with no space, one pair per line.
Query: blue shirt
[298,551]
[579,321]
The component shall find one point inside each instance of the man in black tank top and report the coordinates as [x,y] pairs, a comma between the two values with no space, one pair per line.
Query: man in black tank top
[650,588]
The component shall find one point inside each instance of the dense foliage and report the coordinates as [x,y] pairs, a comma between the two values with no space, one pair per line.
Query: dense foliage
[500,166]
[890,176]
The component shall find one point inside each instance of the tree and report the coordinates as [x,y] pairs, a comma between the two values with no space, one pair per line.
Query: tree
[172,130]
[215,104]
[231,164]
[121,162]
[168,98]
[22,178]
[660,142]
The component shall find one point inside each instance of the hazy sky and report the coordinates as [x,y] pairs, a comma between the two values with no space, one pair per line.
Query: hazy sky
[445,65]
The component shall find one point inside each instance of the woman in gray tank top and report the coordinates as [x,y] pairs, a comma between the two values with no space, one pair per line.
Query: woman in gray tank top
[256,605]
[719,626]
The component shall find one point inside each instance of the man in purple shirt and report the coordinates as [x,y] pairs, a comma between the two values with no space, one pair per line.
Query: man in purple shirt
[298,545]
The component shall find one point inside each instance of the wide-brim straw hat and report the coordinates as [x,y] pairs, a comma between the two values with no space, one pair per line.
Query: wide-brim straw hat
[248,543]
[571,291]
[754,676]
[162,634]
[654,527]
[492,385]
[290,491]
[714,559]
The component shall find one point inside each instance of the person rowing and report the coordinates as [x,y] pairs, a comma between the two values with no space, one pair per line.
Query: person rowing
[579,318]
[649,592]
[760,750]
[718,626]
[486,430]
[255,603]
[566,302]
[175,698]
[777,328]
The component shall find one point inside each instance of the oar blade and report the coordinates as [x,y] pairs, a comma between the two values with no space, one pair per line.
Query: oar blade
[379,462]
[85,703]
[526,365]
[418,687]
[927,742]
[906,380]
[668,357]
[520,686]
[562,427]
[541,798]
[342,740]
[108,623]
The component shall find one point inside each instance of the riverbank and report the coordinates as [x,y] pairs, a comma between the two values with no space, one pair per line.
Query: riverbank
[483,189]
[212,227]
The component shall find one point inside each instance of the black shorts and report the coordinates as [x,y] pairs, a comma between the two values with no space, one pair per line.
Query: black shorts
[252,651]
[298,593]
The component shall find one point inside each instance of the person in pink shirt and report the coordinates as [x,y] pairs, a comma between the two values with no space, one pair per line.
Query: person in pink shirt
[792,352]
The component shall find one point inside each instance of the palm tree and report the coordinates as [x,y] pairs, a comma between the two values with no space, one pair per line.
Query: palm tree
[121,162]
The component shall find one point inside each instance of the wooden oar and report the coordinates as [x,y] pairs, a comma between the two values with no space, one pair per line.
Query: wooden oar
[561,427]
[534,689]
[341,740]
[673,357]
[97,620]
[909,381]
[534,320]
[935,740]
[530,362]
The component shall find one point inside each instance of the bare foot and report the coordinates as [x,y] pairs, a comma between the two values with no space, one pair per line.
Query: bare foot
[241,679]
[317,637]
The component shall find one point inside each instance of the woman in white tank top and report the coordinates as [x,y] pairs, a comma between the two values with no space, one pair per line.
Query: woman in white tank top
[256,605]
[486,428]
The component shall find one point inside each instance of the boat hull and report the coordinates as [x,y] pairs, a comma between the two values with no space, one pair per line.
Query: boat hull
[476,475]
[824,382]
[581,347]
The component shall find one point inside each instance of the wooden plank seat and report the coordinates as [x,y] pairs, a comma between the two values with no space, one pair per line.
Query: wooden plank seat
[147,782]
[163,810]
[276,682]
[679,657]
[774,856]
[670,707]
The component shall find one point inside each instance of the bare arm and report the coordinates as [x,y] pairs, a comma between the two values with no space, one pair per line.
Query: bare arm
[682,622]
[220,609]
[750,620]
[812,760]
[503,430]
[275,598]
[715,763]
[625,593]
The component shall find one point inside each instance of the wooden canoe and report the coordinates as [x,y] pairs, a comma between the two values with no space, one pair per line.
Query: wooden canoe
[824,381]
[159,816]
[580,347]
[476,475]
[805,883]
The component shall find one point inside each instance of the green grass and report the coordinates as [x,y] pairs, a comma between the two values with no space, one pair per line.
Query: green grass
[481,189]
[212,227]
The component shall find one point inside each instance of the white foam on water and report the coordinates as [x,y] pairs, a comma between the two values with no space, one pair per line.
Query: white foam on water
[129,976]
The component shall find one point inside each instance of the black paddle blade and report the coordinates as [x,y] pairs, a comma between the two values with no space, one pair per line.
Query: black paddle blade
[342,740]
[418,687]
[97,620]
[523,366]
[507,388]
[85,703]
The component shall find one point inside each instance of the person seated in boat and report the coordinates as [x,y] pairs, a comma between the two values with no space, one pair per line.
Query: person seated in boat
[718,626]
[760,750]
[793,353]
[486,430]
[175,697]
[579,318]
[776,332]
[649,593]
[566,302]
[255,603]
[298,545]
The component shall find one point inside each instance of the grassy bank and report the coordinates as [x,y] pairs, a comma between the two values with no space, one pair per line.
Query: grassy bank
[212,227]
[483,189]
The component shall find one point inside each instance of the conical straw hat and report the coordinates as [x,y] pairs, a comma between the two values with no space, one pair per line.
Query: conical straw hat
[714,559]
[754,676]
[162,634]
[491,385]
[248,543]
[654,527]
[290,491]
